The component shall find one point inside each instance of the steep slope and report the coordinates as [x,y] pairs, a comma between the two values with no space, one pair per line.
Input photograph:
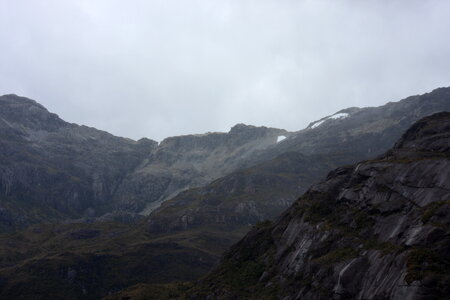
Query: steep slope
[243,198]
[181,241]
[375,230]
[51,170]
[348,136]
[187,161]
[360,133]
[229,206]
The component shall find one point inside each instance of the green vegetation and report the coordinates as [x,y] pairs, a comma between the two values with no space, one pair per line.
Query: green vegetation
[338,255]
[97,259]
[385,248]
[171,291]
[424,262]
[263,224]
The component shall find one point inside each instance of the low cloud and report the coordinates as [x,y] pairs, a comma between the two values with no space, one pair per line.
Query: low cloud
[164,68]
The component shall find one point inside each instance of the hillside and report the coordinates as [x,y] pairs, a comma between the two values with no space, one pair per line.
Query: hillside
[261,192]
[189,161]
[53,171]
[184,238]
[376,229]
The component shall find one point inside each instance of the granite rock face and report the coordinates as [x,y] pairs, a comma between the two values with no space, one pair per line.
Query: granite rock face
[181,162]
[378,229]
[51,170]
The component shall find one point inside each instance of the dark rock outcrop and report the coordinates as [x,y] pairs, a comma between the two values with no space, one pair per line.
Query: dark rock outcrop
[51,170]
[375,230]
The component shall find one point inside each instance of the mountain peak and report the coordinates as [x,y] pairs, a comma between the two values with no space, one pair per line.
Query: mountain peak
[19,100]
[240,127]
[28,113]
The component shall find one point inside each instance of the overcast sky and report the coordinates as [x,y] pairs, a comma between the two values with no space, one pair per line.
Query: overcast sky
[163,68]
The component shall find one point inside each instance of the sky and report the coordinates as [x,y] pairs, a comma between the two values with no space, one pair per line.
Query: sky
[144,68]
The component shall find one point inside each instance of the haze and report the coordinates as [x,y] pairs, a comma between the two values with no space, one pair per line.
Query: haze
[163,68]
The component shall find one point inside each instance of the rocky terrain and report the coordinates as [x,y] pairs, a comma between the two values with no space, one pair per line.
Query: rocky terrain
[263,191]
[51,170]
[242,180]
[243,198]
[54,171]
[181,162]
[360,133]
[378,229]
[293,164]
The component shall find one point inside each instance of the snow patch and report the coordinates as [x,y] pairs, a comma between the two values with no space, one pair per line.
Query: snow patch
[280,138]
[339,116]
[318,123]
[335,116]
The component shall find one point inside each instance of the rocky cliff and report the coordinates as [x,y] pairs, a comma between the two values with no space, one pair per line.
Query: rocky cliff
[378,229]
[51,170]
[54,171]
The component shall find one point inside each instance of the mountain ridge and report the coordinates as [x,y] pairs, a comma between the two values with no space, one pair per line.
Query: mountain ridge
[39,148]
[321,230]
[378,229]
[196,226]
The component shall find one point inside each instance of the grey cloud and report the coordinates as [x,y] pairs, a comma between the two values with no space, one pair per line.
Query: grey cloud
[163,68]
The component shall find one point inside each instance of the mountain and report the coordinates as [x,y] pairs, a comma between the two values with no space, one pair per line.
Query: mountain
[54,171]
[263,191]
[184,238]
[51,170]
[378,229]
[181,162]
[360,132]
[237,201]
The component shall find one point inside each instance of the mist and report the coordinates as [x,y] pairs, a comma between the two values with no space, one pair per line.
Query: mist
[163,68]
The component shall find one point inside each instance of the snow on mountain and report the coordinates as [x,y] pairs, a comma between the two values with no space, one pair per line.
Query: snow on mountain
[335,116]
[280,138]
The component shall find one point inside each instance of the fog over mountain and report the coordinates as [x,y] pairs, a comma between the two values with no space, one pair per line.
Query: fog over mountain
[165,68]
